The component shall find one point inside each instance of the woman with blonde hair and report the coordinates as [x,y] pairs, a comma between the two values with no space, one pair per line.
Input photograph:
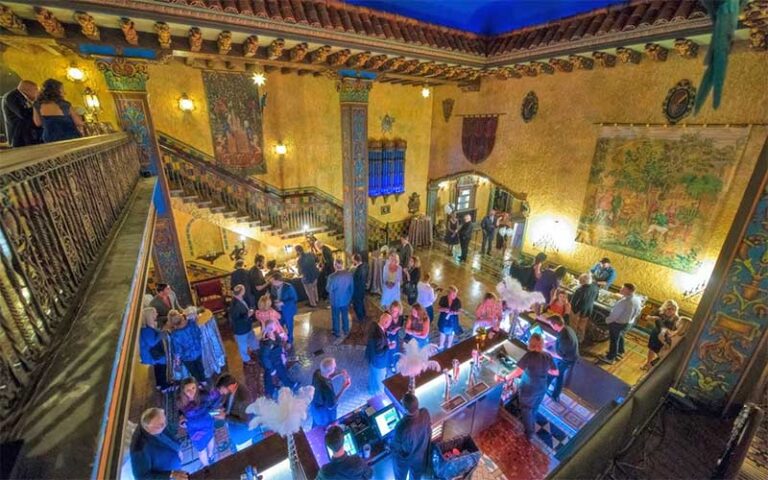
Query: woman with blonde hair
[488,313]
[666,324]
[152,347]
[534,367]
[449,307]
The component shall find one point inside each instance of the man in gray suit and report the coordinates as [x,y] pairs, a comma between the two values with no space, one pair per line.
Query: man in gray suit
[340,287]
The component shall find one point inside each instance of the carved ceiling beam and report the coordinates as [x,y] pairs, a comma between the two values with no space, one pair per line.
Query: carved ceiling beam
[656,52]
[303,72]
[129,31]
[628,55]
[275,49]
[439,70]
[561,65]
[604,59]
[224,42]
[686,48]
[270,68]
[424,68]
[163,34]
[506,73]
[339,58]
[543,68]
[87,26]
[755,16]
[320,55]
[375,62]
[297,53]
[408,66]
[358,60]
[393,63]
[251,46]
[581,62]
[195,38]
[286,70]
[49,22]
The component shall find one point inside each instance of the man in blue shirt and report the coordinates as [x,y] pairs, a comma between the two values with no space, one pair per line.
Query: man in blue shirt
[155,454]
[603,273]
[623,315]
[340,287]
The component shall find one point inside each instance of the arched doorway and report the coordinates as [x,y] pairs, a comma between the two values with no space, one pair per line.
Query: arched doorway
[474,193]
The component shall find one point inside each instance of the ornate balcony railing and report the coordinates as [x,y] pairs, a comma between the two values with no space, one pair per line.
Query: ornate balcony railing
[286,212]
[59,204]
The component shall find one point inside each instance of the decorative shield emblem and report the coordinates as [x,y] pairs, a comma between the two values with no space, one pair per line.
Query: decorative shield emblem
[478,136]
[448,108]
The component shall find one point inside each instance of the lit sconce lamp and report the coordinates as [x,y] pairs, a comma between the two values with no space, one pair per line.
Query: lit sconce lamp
[185,103]
[694,284]
[92,101]
[305,228]
[259,79]
[553,235]
[425,92]
[281,149]
[75,73]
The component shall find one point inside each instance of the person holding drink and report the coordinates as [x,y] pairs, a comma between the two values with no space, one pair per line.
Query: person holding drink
[326,400]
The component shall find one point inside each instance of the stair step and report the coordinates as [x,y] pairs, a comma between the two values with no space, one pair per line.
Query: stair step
[302,232]
[243,219]
[204,204]
[229,214]
[176,193]
[218,209]
[254,223]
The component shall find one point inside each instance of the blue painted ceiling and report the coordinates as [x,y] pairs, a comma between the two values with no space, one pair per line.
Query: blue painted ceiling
[487,17]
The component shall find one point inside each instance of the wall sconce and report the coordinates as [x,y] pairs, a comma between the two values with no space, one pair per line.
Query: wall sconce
[185,103]
[92,101]
[425,92]
[281,149]
[75,73]
[259,79]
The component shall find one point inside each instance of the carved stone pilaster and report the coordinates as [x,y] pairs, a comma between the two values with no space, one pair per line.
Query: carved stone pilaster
[628,55]
[686,48]
[353,89]
[656,52]
[49,22]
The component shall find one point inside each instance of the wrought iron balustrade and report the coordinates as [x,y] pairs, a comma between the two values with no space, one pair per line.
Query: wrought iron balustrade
[280,211]
[59,203]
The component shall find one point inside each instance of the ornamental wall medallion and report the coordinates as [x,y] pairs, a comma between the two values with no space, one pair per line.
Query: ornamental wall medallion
[387,123]
[448,108]
[530,107]
[679,101]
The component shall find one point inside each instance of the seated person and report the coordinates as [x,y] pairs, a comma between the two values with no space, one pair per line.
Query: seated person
[342,466]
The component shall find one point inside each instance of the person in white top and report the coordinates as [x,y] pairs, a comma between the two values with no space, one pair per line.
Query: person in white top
[426,296]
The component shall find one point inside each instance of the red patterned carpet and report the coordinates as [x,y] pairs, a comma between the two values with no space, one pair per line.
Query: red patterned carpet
[518,459]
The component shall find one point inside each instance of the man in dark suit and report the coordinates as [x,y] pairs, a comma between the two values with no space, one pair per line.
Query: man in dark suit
[326,255]
[359,279]
[488,226]
[465,235]
[377,353]
[241,277]
[17,114]
[155,454]
[235,399]
[411,442]
[241,318]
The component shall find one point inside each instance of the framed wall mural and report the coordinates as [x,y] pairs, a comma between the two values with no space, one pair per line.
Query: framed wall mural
[236,121]
[654,192]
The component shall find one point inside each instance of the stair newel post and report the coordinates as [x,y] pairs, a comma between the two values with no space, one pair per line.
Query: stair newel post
[353,90]
[127,81]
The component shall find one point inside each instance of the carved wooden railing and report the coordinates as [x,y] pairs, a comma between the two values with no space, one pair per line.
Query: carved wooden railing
[286,212]
[59,204]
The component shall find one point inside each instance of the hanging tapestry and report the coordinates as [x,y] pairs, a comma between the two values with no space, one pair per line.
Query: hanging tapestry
[654,192]
[478,135]
[235,117]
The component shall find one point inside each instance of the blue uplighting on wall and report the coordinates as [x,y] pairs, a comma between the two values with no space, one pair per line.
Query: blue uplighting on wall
[487,17]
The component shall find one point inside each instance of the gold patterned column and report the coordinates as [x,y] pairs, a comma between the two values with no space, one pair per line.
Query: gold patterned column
[127,81]
[353,94]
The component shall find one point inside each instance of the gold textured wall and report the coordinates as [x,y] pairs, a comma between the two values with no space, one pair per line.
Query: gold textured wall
[39,65]
[302,112]
[413,122]
[550,157]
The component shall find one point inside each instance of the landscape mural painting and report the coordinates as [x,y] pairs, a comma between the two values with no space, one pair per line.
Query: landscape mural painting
[236,122]
[654,192]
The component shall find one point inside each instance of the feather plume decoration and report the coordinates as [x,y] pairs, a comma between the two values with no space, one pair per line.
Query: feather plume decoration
[285,416]
[415,360]
[518,299]
[725,19]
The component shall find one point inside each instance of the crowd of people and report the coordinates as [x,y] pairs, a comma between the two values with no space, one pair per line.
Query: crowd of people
[261,316]
[35,115]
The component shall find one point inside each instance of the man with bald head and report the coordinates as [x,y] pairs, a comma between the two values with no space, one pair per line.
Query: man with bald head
[17,113]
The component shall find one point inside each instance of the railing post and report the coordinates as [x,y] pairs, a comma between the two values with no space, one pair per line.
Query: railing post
[353,94]
[127,81]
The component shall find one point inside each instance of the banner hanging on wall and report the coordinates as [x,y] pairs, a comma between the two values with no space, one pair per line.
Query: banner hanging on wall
[478,136]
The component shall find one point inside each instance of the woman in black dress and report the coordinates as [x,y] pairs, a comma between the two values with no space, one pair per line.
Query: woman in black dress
[665,326]
[452,232]
[412,278]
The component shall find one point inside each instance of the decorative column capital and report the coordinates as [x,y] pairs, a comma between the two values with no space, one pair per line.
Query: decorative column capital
[354,89]
[123,75]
